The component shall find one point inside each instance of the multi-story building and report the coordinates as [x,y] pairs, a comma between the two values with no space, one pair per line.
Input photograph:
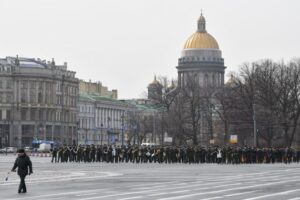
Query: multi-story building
[102,120]
[38,101]
[97,88]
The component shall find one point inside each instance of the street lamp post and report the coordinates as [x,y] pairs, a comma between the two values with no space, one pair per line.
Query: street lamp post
[7,132]
[122,126]
[86,131]
[101,133]
[254,127]
[86,136]
[108,130]
[77,131]
[135,134]
[2,136]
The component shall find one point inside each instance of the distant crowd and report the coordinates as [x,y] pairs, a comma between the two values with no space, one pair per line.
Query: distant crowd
[174,154]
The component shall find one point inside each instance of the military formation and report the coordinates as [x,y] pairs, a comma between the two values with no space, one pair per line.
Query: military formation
[173,154]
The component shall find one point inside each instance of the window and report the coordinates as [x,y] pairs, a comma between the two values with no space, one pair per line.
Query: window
[40,97]
[32,96]
[8,84]
[23,96]
[32,114]
[58,99]
[41,117]
[40,85]
[32,85]
[0,84]
[8,115]
[24,85]
[9,98]
[23,114]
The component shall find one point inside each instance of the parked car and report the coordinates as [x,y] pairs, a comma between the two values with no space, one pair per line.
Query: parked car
[8,150]
[28,149]
[45,148]
[148,144]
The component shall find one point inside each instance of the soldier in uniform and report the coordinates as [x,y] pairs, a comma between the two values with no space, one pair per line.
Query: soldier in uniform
[105,153]
[54,154]
[87,152]
[74,153]
[79,153]
[99,154]
[60,154]
[93,153]
[66,154]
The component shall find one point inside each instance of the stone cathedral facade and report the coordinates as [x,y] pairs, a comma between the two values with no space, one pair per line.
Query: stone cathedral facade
[201,65]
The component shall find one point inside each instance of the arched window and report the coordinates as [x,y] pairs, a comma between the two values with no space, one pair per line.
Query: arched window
[40,97]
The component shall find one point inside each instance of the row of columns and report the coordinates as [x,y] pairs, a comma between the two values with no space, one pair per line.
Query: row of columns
[210,78]
[109,118]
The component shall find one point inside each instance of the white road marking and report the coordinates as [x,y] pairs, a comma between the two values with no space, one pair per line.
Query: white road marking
[78,176]
[143,192]
[238,194]
[274,194]
[88,194]
[212,198]
[137,197]
[231,189]
[180,191]
[157,194]
[58,194]
[184,183]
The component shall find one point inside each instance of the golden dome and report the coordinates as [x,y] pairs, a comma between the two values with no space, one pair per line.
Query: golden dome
[201,40]
[155,82]
[232,81]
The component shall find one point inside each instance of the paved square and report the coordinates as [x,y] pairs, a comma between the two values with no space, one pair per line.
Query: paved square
[121,181]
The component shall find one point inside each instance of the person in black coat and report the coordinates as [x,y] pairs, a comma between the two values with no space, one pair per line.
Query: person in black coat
[24,165]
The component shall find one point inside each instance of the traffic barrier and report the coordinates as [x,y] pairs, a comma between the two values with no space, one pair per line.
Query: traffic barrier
[40,154]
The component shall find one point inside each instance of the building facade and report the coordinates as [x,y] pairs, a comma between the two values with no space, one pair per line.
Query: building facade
[102,120]
[38,101]
[97,88]
[201,69]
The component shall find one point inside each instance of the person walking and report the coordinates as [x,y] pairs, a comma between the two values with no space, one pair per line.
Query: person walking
[24,165]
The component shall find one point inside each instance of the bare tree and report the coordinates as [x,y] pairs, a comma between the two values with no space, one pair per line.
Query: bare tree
[288,96]
[223,106]
[268,93]
[191,96]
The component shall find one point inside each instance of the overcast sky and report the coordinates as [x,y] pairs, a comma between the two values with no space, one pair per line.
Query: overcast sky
[124,43]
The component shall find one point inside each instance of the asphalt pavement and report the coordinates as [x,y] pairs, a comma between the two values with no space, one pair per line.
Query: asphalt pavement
[125,181]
